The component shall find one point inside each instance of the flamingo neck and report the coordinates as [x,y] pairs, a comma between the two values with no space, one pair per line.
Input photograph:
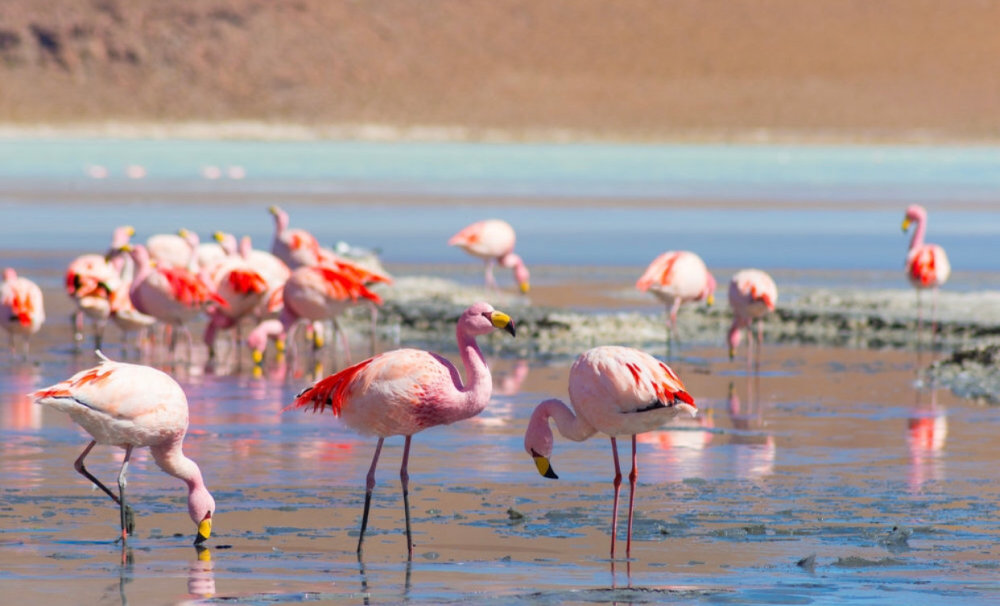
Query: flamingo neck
[918,233]
[478,389]
[171,459]
[569,425]
[734,333]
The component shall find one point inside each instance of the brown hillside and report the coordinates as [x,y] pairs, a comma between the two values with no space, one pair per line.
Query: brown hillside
[641,69]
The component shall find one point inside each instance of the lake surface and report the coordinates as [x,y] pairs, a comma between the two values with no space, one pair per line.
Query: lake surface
[831,476]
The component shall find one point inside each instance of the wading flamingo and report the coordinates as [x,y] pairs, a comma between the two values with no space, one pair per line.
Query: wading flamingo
[90,282]
[676,277]
[133,406]
[752,295]
[298,247]
[618,391]
[926,265]
[493,240]
[403,391]
[21,306]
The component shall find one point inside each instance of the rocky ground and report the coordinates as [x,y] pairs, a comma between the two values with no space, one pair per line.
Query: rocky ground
[423,311]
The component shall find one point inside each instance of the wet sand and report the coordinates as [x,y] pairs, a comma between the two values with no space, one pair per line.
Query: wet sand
[816,457]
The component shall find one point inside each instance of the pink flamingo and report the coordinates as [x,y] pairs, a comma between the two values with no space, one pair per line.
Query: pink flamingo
[244,288]
[170,294]
[752,295]
[617,391]
[130,406]
[169,250]
[90,281]
[677,277]
[493,240]
[21,307]
[927,265]
[298,247]
[404,391]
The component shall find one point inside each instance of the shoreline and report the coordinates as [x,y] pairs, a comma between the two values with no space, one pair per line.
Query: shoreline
[374,132]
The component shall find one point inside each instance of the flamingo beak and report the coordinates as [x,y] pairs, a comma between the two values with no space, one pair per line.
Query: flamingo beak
[525,287]
[218,237]
[732,353]
[204,530]
[906,224]
[711,299]
[502,320]
[544,467]
[273,210]
[204,554]
[258,357]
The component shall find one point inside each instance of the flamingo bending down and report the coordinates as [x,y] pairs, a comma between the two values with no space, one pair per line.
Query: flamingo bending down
[617,391]
[927,265]
[21,306]
[403,391]
[677,277]
[493,240]
[130,406]
[752,295]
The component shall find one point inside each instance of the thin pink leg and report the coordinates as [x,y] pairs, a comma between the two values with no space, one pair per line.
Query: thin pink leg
[632,477]
[618,485]
[933,316]
[369,486]
[374,324]
[404,479]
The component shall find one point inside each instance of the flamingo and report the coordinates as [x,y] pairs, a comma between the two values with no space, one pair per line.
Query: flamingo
[133,406]
[752,295]
[244,288]
[403,391]
[21,307]
[169,250]
[323,292]
[493,240]
[926,265]
[617,391]
[170,294]
[90,281]
[677,277]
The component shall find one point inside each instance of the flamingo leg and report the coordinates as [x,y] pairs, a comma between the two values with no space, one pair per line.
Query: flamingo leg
[76,320]
[127,517]
[79,467]
[369,486]
[934,294]
[374,321]
[404,479]
[618,485]
[344,343]
[632,477]
[490,281]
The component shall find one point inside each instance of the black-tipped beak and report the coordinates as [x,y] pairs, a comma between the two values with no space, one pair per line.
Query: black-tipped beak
[544,467]
[502,320]
[204,531]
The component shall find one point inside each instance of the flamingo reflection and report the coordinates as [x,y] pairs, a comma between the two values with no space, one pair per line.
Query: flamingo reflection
[926,433]
[755,448]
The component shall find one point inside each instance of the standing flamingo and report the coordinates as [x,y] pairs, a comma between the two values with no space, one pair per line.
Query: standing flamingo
[617,391]
[752,295]
[21,306]
[926,264]
[677,277]
[129,406]
[404,391]
[493,240]
[90,282]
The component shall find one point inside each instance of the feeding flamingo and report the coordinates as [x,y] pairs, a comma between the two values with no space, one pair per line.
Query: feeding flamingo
[677,277]
[133,406]
[403,391]
[752,295]
[21,306]
[617,391]
[493,240]
[926,265]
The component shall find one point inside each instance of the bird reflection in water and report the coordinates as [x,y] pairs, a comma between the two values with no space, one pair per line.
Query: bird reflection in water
[926,433]
[755,448]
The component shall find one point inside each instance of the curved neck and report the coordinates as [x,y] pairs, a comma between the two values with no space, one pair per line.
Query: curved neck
[918,233]
[478,389]
[170,458]
[569,425]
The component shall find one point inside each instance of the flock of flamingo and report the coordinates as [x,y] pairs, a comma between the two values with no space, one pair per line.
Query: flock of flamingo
[171,280]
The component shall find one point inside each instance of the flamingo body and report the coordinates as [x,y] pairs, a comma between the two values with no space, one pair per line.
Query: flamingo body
[617,391]
[493,241]
[401,392]
[21,305]
[678,277]
[927,265]
[130,406]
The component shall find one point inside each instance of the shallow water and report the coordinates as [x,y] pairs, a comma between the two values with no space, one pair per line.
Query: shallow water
[829,476]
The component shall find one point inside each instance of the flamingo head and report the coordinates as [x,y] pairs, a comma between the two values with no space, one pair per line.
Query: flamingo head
[257,339]
[226,241]
[734,338]
[709,293]
[538,439]
[481,319]
[521,273]
[914,214]
[201,506]
[280,218]
[121,236]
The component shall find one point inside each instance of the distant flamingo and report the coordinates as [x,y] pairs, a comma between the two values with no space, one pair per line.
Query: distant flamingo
[677,277]
[404,391]
[129,406]
[21,307]
[617,391]
[752,295]
[235,279]
[169,250]
[90,280]
[493,240]
[170,294]
[927,265]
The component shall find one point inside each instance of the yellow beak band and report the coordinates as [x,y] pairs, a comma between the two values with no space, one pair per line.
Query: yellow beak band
[204,531]
[525,288]
[258,356]
[906,224]
[711,299]
[544,467]
[502,320]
